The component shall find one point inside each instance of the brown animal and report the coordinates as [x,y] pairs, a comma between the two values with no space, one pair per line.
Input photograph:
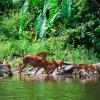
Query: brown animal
[87,67]
[37,61]
[5,62]
[53,64]
[57,63]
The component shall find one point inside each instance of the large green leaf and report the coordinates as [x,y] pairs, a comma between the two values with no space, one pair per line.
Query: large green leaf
[46,5]
[40,25]
[24,7]
[21,25]
[16,1]
[53,4]
[66,8]
[43,28]
[53,18]
[40,22]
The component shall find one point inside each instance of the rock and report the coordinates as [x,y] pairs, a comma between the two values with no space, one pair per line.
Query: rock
[31,71]
[4,69]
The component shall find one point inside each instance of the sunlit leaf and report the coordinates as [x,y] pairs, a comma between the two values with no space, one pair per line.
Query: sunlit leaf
[21,25]
[24,7]
[46,5]
[66,8]
[16,1]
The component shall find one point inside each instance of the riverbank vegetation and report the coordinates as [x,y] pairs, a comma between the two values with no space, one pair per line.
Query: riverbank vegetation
[68,28]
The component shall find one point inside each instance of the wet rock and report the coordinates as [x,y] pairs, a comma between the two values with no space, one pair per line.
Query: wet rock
[31,71]
[66,69]
[4,69]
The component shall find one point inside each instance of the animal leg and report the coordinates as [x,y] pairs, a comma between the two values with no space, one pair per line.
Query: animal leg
[51,71]
[21,66]
[37,71]
[84,73]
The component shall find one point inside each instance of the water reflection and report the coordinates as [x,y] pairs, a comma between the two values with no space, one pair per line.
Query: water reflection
[49,88]
[62,78]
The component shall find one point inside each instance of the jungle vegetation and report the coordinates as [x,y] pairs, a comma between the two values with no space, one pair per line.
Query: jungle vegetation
[69,28]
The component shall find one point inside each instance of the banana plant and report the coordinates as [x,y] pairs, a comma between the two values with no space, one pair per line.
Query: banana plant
[42,23]
[66,8]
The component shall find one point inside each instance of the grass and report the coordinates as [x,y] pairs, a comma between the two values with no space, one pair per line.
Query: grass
[55,45]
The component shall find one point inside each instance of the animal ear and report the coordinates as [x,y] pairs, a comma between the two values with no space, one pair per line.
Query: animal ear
[62,59]
[4,59]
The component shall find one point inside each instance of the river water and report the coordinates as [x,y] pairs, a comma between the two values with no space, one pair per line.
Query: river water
[49,89]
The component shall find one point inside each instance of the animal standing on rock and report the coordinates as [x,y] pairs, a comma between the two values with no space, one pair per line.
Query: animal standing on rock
[85,69]
[36,60]
[54,64]
[48,65]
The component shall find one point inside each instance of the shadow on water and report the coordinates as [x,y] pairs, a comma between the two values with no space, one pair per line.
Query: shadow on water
[48,88]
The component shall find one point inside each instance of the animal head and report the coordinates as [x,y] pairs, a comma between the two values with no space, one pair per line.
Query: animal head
[5,62]
[59,62]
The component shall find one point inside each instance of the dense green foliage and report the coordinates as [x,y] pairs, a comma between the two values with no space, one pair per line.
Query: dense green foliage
[69,28]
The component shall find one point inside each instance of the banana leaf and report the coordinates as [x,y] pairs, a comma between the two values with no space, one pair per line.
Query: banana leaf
[40,25]
[24,7]
[66,8]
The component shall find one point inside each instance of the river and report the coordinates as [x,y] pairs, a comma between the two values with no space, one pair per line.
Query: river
[30,89]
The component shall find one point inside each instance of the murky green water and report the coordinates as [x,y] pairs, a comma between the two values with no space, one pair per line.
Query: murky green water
[27,89]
